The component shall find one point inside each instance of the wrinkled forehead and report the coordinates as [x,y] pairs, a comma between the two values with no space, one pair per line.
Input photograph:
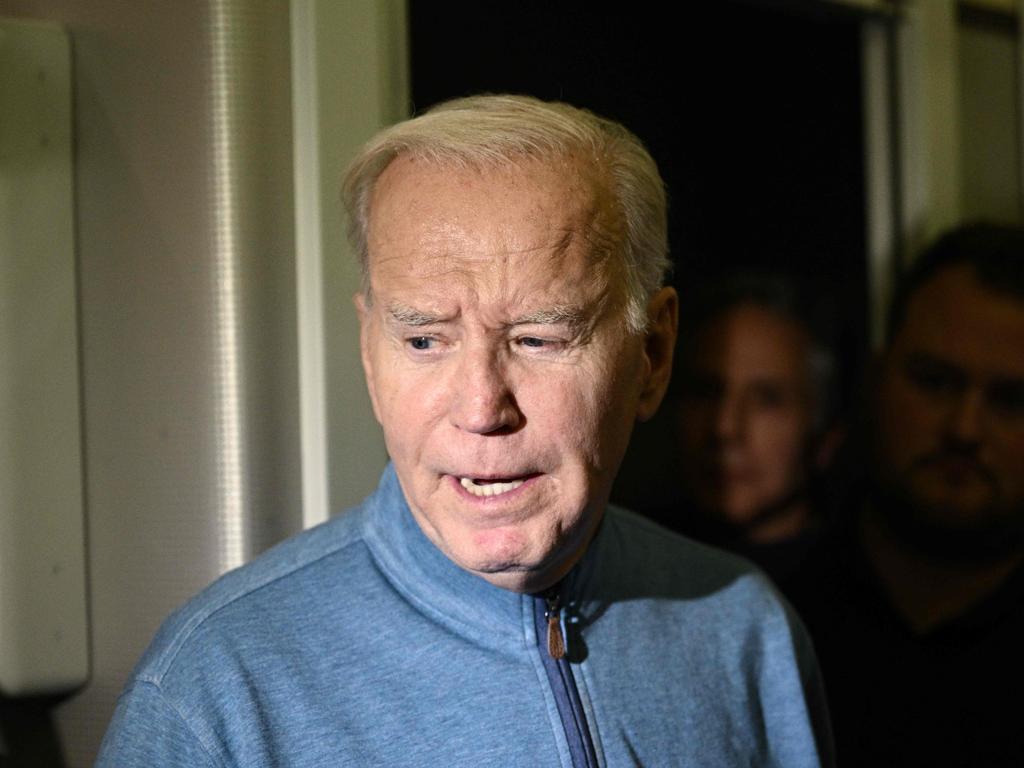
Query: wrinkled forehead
[423,209]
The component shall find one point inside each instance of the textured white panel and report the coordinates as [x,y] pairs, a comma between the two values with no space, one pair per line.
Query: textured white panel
[43,629]
[989,131]
[185,242]
[879,167]
[362,85]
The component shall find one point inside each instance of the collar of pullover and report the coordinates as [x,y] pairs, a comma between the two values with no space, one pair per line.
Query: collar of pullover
[441,589]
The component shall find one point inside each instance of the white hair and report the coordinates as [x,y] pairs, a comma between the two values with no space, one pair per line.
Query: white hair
[493,130]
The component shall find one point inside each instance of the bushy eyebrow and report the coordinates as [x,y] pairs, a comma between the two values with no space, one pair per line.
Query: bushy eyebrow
[415,318]
[558,315]
[570,316]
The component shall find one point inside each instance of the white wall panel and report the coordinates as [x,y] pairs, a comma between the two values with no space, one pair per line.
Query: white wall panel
[185,246]
[43,638]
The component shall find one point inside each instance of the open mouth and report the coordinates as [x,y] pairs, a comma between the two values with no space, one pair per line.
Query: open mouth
[496,487]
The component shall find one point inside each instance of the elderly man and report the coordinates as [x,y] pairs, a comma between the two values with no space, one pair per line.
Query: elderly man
[919,613]
[485,607]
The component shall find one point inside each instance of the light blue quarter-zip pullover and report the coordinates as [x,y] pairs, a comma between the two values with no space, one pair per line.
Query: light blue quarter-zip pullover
[358,643]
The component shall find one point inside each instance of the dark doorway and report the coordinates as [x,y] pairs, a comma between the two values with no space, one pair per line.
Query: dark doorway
[752,111]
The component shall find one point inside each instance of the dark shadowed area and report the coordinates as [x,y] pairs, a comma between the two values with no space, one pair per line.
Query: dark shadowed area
[752,111]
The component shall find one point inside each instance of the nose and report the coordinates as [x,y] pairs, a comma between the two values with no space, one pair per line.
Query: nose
[964,425]
[483,402]
[728,418]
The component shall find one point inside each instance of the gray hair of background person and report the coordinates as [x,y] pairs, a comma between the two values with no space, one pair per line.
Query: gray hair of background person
[785,297]
[494,130]
[995,252]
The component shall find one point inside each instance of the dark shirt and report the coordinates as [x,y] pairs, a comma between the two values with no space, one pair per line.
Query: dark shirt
[949,697]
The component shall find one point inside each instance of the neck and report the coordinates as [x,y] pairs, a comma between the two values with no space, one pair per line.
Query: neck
[785,523]
[782,520]
[926,591]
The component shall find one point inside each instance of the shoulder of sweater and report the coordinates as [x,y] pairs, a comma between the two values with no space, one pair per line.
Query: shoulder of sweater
[678,565]
[678,548]
[282,563]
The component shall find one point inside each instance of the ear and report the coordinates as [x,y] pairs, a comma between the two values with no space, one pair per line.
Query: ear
[660,342]
[365,313]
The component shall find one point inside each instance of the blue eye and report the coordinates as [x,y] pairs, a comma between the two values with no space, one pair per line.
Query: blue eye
[421,343]
[531,341]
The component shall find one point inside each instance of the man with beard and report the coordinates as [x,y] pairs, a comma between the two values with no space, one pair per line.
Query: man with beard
[919,618]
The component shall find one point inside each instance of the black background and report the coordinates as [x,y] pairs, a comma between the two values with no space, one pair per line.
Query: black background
[752,111]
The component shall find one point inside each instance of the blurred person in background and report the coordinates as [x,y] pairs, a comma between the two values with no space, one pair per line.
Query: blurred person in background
[917,607]
[755,419]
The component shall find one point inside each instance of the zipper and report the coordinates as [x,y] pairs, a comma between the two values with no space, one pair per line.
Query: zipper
[552,646]
[553,614]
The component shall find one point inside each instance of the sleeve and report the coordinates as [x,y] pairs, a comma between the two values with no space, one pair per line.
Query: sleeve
[147,730]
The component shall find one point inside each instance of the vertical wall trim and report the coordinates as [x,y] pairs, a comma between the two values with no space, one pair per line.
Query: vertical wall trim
[358,51]
[229,405]
[929,121]
[1020,105]
[880,168]
[308,263]
[394,61]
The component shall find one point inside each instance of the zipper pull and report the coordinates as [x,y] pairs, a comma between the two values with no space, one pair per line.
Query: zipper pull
[556,642]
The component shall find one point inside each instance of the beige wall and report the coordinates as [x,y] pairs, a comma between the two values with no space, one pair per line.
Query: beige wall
[960,103]
[190,322]
[990,132]
[363,84]
[184,247]
[955,153]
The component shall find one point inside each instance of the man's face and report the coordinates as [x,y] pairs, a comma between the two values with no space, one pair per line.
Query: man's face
[951,406]
[498,360]
[746,412]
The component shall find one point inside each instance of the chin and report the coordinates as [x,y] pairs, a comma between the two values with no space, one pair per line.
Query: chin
[736,510]
[511,574]
[508,561]
[955,510]
[495,552]
[520,581]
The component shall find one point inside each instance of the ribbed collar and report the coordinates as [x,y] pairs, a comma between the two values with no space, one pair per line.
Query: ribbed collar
[454,597]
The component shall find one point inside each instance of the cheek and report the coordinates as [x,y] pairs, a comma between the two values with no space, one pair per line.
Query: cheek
[558,409]
[1008,455]
[577,413]
[616,409]
[408,404]
[778,440]
[907,423]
